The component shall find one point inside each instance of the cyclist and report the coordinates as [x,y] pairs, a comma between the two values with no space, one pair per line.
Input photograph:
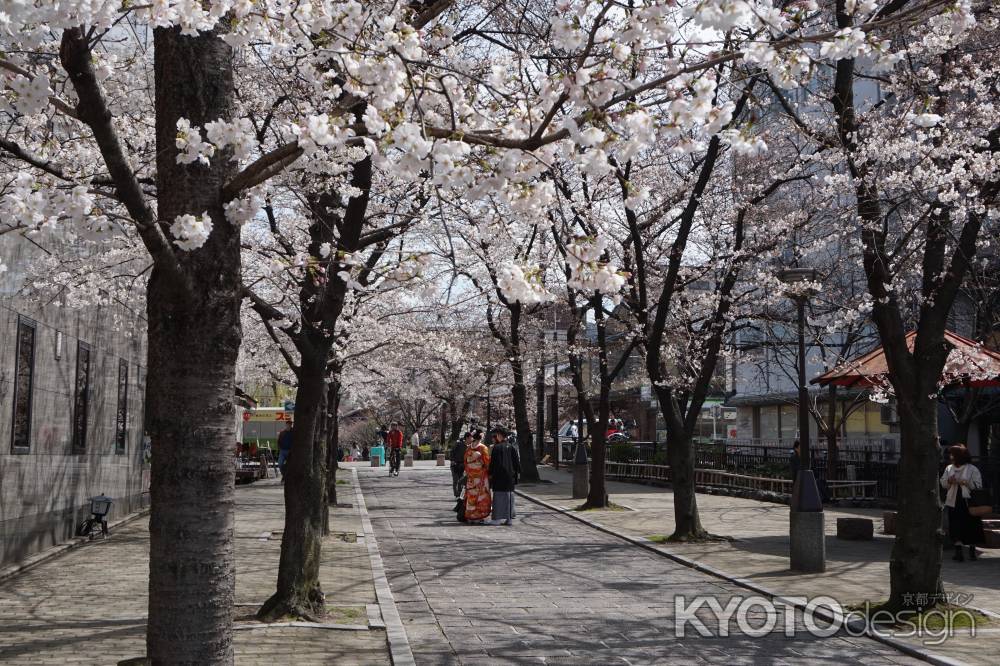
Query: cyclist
[395,441]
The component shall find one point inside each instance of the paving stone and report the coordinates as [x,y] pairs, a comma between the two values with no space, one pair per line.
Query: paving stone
[550,590]
[88,606]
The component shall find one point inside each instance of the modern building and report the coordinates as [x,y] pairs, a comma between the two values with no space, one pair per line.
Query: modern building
[72,395]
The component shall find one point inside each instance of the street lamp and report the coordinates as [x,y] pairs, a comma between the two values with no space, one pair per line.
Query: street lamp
[806,518]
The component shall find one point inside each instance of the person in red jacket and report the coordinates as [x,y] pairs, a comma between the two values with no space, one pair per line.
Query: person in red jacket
[394,440]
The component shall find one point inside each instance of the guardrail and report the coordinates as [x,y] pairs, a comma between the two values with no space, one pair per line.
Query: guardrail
[629,471]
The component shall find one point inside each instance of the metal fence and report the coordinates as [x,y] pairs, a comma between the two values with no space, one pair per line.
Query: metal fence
[855,463]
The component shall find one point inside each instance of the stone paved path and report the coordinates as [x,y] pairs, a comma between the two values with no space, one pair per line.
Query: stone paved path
[856,570]
[551,590]
[88,606]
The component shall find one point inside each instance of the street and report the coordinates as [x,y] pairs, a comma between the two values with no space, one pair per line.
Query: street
[551,590]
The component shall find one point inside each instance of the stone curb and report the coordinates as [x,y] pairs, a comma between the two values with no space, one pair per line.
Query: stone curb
[399,644]
[55,551]
[905,648]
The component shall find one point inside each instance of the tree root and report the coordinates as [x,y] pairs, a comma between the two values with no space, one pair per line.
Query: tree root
[701,536]
[281,607]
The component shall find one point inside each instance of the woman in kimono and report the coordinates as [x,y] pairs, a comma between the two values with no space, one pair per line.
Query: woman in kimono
[478,501]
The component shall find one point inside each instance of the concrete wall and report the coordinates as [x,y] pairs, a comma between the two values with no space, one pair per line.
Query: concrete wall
[44,492]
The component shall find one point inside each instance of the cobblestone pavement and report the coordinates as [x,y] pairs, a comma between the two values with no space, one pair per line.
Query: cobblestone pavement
[856,570]
[88,606]
[551,590]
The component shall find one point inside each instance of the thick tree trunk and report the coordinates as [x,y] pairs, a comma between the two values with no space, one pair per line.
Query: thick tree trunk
[915,563]
[194,337]
[597,498]
[681,458]
[525,445]
[299,593]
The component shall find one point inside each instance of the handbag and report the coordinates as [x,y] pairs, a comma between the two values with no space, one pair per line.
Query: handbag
[980,502]
[460,509]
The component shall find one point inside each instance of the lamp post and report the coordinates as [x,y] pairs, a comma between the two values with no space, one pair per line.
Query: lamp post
[806,518]
[540,400]
[555,394]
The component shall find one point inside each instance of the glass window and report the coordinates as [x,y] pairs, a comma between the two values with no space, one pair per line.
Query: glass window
[789,422]
[121,414]
[24,378]
[769,422]
[81,398]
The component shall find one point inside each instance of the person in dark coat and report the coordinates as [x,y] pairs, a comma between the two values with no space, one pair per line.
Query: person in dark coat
[505,471]
[458,462]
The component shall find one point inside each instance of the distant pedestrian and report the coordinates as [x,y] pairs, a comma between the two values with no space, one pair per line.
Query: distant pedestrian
[477,483]
[960,478]
[505,471]
[394,440]
[356,453]
[284,448]
[457,458]
[364,452]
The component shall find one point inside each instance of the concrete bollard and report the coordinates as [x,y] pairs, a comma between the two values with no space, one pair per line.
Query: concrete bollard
[808,541]
[408,460]
[440,459]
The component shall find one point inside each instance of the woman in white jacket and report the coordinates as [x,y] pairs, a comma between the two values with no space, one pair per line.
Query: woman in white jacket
[960,478]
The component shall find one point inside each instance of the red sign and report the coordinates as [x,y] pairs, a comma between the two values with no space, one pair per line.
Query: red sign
[246,416]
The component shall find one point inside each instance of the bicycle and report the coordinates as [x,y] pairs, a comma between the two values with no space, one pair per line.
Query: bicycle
[394,456]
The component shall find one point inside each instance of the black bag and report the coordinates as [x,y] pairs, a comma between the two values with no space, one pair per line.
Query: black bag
[981,502]
[460,509]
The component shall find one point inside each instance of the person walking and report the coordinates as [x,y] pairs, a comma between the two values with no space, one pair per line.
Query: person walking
[394,440]
[356,453]
[505,471]
[960,478]
[458,461]
[284,448]
[477,484]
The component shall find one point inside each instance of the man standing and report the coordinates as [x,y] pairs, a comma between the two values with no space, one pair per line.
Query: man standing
[505,470]
[284,448]
[395,442]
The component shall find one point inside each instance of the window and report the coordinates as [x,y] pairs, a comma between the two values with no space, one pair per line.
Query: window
[82,398]
[121,414]
[24,379]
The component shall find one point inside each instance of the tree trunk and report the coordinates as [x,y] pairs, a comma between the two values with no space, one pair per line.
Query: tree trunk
[333,445]
[832,450]
[194,338]
[299,593]
[519,393]
[687,521]
[915,563]
[458,420]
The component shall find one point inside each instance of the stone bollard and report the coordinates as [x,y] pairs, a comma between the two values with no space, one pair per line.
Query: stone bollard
[889,522]
[855,529]
[440,459]
[581,481]
[408,460]
[808,546]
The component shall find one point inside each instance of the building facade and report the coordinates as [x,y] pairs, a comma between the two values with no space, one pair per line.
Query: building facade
[72,395]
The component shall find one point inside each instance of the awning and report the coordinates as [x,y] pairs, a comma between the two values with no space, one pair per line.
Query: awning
[969,364]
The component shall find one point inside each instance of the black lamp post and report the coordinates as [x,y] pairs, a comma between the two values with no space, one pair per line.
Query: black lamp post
[807,538]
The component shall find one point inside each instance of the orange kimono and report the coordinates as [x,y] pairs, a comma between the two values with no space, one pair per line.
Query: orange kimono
[478,501]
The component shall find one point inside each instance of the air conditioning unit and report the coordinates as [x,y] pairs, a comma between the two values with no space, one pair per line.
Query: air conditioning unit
[890,416]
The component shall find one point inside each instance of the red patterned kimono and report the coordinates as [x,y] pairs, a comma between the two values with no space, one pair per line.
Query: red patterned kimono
[478,502]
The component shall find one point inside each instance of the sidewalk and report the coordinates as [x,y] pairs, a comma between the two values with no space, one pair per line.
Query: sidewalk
[88,605]
[856,570]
